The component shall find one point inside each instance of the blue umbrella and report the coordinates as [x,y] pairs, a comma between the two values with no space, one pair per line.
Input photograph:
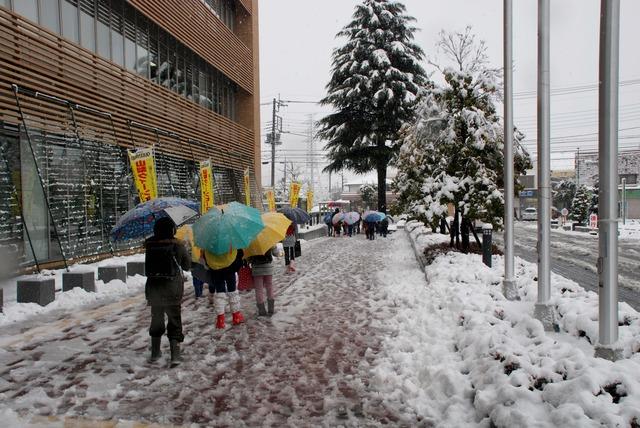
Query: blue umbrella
[374,216]
[138,222]
[227,227]
[296,215]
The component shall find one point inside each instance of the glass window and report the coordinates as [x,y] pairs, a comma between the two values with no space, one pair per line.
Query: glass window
[164,67]
[179,87]
[50,15]
[4,3]
[154,54]
[34,207]
[117,32]
[130,39]
[70,20]
[103,32]
[87,25]
[142,45]
[27,8]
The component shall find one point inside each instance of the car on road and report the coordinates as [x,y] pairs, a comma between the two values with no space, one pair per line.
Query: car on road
[530,214]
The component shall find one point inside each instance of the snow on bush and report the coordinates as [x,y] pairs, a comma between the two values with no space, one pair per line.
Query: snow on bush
[524,376]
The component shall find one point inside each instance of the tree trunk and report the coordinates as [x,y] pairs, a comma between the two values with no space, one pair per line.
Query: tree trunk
[382,188]
[465,235]
[455,230]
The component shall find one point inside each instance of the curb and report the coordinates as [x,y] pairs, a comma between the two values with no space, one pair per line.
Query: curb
[422,261]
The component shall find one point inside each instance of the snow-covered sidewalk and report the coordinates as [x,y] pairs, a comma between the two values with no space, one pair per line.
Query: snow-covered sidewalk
[320,361]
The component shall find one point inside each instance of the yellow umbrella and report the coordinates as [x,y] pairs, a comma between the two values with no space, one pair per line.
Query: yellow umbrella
[275,229]
[185,233]
[216,262]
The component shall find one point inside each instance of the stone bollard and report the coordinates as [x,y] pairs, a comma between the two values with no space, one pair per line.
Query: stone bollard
[135,268]
[85,280]
[109,273]
[36,290]
[487,237]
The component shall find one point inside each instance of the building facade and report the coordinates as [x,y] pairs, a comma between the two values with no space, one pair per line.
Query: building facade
[82,81]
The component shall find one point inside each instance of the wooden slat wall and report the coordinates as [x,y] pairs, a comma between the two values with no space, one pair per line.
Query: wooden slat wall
[247,4]
[40,60]
[213,41]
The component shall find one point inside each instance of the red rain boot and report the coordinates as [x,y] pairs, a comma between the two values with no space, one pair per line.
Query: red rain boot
[237,318]
[220,321]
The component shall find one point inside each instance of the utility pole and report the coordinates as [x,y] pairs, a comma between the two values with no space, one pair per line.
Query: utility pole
[274,138]
[608,174]
[578,168]
[310,152]
[544,312]
[624,200]
[508,284]
[330,197]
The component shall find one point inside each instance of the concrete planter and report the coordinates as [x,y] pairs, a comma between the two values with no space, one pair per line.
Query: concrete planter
[109,273]
[36,290]
[84,280]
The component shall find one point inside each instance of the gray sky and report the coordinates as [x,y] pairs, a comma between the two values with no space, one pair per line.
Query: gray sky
[298,36]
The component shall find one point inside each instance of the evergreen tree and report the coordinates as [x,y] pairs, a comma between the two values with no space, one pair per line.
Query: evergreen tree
[563,194]
[369,194]
[581,205]
[375,81]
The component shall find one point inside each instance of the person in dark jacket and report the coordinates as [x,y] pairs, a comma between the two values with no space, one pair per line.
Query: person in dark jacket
[384,227]
[165,259]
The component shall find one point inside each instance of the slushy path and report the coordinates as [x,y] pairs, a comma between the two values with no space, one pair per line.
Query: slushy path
[309,365]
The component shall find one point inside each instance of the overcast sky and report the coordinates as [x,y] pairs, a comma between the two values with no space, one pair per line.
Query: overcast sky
[298,36]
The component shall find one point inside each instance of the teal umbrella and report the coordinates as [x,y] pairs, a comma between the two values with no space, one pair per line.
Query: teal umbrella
[227,227]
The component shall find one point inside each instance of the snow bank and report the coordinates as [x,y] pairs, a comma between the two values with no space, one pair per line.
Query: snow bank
[470,345]
[14,312]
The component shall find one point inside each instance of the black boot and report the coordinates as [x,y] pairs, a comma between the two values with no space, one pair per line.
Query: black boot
[270,304]
[155,349]
[176,358]
[262,311]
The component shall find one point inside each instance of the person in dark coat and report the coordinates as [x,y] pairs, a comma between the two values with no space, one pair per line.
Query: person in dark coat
[384,227]
[371,230]
[165,259]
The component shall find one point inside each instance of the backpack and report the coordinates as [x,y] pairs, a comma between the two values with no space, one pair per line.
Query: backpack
[160,261]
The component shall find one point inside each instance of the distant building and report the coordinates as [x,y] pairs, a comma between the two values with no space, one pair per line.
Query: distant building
[351,192]
[587,167]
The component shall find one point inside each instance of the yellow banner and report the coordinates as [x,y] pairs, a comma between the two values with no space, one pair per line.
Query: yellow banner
[143,167]
[309,200]
[294,193]
[247,188]
[271,200]
[206,186]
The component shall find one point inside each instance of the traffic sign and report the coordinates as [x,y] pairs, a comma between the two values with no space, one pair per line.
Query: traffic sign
[593,221]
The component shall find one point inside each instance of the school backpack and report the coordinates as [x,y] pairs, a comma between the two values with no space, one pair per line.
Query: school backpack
[160,261]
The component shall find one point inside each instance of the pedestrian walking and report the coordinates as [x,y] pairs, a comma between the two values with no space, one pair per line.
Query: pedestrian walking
[384,227]
[371,230]
[262,271]
[223,287]
[289,244]
[165,259]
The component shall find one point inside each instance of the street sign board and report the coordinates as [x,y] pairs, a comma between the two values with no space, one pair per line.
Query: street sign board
[593,221]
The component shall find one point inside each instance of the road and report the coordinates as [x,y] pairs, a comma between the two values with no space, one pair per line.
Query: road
[574,255]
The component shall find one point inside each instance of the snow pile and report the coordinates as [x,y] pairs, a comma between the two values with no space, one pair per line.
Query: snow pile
[630,230]
[14,312]
[464,355]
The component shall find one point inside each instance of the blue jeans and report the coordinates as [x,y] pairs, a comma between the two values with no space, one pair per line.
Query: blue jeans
[197,286]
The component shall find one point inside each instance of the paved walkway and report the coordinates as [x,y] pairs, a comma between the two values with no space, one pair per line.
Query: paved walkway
[306,366]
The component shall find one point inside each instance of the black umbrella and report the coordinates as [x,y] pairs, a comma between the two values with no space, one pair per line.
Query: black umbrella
[296,215]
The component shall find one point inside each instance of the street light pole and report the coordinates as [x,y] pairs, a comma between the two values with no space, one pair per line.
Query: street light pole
[508,285]
[608,174]
[543,310]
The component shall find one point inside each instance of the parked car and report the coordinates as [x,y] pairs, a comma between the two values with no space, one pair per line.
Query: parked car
[530,214]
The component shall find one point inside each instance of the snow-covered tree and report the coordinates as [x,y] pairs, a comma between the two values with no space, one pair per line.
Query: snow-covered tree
[563,194]
[369,195]
[375,81]
[453,153]
[581,205]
